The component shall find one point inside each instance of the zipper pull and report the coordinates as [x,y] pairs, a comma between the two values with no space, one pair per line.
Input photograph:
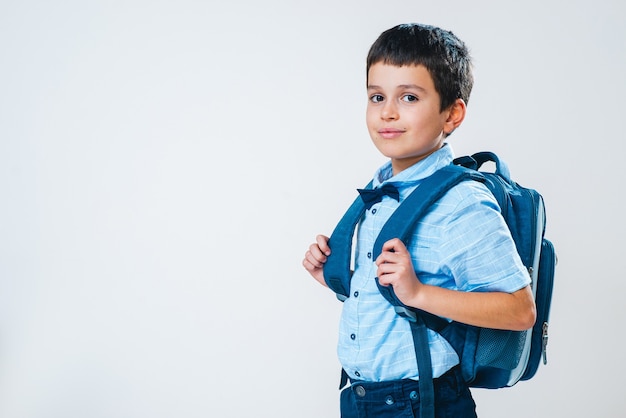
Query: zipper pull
[544,342]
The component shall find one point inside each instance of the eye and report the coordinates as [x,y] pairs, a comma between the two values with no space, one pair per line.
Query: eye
[376,98]
[409,98]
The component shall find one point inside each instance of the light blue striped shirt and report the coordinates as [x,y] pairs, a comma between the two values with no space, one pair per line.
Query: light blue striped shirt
[462,243]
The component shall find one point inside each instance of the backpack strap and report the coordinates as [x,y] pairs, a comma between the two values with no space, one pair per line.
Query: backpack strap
[478,159]
[337,272]
[424,367]
[400,225]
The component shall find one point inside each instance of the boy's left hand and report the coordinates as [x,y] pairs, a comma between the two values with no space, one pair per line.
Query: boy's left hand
[395,268]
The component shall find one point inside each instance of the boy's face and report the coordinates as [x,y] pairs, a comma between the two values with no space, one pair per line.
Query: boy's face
[403,115]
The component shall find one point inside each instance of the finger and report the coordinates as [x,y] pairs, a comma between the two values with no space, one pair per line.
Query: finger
[385,269]
[322,243]
[389,257]
[309,266]
[316,262]
[317,253]
[385,279]
[394,245]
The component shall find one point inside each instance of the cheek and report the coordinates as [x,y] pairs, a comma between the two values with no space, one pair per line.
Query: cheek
[369,120]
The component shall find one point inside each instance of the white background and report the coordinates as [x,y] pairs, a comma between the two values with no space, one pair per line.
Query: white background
[165,164]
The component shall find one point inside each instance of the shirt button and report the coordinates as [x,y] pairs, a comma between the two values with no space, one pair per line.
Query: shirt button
[357,374]
[356,294]
[373,211]
[352,337]
[369,255]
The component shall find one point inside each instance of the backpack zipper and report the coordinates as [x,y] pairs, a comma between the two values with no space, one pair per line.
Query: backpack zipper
[544,342]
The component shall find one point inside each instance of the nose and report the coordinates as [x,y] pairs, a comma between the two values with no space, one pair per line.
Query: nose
[389,111]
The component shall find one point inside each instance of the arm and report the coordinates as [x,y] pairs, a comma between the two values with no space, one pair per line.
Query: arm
[513,311]
[315,257]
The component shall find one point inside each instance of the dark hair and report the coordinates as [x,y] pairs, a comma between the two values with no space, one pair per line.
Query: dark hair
[445,56]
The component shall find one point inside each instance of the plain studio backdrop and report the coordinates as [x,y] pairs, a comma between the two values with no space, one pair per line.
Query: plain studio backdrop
[165,164]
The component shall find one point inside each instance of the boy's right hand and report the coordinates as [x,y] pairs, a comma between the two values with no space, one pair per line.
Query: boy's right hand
[315,258]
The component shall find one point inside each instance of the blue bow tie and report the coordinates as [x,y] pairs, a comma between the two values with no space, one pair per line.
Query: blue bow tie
[372,196]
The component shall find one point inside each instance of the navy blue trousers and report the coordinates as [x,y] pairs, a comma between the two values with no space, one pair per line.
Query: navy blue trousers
[400,398]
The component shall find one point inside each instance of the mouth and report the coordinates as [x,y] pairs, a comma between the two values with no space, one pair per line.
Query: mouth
[390,133]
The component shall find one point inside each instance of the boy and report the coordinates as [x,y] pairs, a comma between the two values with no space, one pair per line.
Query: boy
[461,262]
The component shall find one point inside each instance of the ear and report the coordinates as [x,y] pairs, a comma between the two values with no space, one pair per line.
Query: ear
[456,114]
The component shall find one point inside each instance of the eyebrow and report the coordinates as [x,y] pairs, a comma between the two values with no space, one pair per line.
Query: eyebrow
[401,87]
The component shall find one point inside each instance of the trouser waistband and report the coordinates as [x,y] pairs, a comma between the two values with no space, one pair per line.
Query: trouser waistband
[390,391]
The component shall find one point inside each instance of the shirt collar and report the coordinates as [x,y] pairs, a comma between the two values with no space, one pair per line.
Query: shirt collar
[418,171]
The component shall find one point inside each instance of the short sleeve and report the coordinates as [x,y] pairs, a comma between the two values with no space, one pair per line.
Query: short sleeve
[477,249]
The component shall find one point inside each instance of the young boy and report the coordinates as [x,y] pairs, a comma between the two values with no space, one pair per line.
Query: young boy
[461,262]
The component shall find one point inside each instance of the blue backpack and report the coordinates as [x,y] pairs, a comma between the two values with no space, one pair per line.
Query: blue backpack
[490,358]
